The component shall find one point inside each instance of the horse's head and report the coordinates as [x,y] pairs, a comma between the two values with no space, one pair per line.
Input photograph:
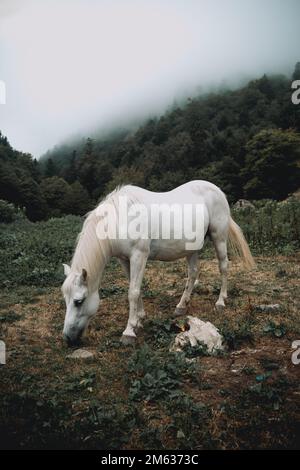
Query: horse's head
[80,302]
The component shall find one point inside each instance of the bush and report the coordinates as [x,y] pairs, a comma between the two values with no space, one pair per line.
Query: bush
[7,212]
[33,253]
[155,376]
[271,227]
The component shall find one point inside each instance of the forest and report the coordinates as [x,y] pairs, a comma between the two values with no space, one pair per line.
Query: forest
[247,141]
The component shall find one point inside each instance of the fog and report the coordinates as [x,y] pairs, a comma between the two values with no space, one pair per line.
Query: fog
[70,66]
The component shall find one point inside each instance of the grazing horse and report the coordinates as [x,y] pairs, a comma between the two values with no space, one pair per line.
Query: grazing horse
[102,237]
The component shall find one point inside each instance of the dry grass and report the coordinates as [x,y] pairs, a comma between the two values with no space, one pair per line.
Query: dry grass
[47,399]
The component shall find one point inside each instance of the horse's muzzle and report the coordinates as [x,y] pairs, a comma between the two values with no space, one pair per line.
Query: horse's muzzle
[72,340]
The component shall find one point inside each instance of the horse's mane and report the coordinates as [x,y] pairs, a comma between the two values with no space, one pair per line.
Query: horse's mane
[91,253]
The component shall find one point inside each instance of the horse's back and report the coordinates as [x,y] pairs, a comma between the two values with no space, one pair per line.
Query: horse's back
[192,192]
[216,213]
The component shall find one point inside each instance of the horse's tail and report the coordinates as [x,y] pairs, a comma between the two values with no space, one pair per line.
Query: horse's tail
[239,246]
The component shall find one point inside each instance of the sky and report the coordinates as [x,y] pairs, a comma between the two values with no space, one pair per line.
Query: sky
[70,66]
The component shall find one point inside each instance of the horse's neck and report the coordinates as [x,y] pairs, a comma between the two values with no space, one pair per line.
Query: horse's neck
[91,254]
[93,264]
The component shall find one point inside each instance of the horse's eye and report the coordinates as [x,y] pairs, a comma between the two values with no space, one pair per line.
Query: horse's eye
[78,302]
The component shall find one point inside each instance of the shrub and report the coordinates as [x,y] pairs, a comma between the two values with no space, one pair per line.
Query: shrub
[272,227]
[7,212]
[33,253]
[155,376]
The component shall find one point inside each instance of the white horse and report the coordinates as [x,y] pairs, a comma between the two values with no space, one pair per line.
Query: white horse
[81,286]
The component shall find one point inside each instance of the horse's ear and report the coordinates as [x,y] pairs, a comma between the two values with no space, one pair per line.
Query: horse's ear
[83,276]
[67,269]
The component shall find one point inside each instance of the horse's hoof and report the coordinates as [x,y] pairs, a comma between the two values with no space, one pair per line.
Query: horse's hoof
[220,308]
[128,340]
[180,311]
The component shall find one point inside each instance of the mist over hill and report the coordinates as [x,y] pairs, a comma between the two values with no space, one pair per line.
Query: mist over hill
[246,141]
[216,136]
[71,66]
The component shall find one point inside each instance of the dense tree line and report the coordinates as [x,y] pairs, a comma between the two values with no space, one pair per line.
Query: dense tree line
[247,141]
[23,183]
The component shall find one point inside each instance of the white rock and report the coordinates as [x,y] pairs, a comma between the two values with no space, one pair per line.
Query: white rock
[80,354]
[199,332]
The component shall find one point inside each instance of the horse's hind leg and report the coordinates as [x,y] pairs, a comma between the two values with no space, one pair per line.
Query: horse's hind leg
[181,308]
[220,243]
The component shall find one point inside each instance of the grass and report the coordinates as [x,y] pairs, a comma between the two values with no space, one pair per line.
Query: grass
[146,397]
[32,254]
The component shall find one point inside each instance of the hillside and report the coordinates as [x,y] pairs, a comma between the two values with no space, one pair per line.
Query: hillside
[247,141]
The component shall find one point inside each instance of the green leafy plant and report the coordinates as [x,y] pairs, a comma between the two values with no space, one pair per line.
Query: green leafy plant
[276,330]
[155,376]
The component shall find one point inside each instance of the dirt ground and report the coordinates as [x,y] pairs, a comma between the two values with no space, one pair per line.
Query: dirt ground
[249,396]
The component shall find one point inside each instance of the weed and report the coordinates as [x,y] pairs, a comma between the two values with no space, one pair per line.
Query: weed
[160,332]
[108,425]
[189,421]
[195,351]
[83,381]
[112,290]
[155,376]
[10,317]
[235,335]
[248,370]
[276,330]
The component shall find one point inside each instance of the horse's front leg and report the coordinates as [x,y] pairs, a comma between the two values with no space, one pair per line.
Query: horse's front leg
[181,308]
[141,312]
[137,268]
